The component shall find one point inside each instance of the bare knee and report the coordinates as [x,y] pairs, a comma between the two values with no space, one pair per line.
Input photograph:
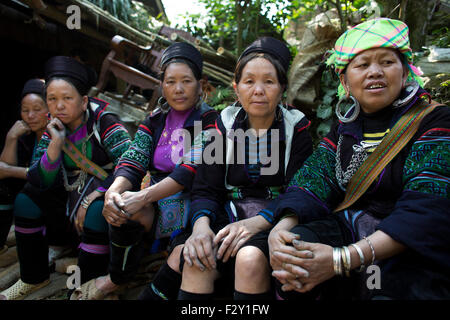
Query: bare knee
[145,217]
[252,271]
[174,259]
[196,281]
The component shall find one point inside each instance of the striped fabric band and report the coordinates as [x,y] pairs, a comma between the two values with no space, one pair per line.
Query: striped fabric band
[268,215]
[272,193]
[83,162]
[94,248]
[159,293]
[125,256]
[31,230]
[391,145]
[202,213]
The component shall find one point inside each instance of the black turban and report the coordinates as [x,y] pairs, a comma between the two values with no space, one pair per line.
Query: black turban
[184,51]
[272,46]
[62,66]
[33,86]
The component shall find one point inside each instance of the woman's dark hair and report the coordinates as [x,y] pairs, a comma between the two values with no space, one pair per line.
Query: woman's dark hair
[197,74]
[281,72]
[81,87]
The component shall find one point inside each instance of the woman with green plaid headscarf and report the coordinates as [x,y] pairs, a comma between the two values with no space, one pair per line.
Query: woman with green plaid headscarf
[377,188]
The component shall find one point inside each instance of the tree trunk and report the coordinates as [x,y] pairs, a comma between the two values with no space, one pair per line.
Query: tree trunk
[337,4]
[418,20]
[415,13]
[387,8]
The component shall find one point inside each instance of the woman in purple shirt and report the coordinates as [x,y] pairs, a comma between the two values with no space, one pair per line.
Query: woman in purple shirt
[157,148]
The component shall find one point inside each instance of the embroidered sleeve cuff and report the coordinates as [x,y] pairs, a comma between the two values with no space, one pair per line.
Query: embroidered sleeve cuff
[133,175]
[203,213]
[268,215]
[49,166]
[101,189]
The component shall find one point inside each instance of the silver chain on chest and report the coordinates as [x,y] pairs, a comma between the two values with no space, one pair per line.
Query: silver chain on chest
[359,155]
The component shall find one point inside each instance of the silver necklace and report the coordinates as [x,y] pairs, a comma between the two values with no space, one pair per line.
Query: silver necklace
[359,155]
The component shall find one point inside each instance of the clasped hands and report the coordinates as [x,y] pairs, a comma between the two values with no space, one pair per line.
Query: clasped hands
[119,207]
[299,265]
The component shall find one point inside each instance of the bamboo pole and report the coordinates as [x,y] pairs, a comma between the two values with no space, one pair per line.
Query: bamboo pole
[206,53]
[202,43]
[218,69]
[217,75]
[223,52]
[141,37]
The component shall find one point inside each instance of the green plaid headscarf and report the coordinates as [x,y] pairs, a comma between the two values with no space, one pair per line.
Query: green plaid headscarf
[381,32]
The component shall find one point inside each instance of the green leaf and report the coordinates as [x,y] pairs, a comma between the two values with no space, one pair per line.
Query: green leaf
[324,111]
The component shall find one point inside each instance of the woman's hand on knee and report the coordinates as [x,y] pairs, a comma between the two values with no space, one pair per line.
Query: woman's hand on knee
[199,249]
[111,209]
[231,238]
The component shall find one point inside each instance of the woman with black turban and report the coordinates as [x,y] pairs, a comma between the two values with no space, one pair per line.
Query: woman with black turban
[230,193]
[17,155]
[79,150]
[158,147]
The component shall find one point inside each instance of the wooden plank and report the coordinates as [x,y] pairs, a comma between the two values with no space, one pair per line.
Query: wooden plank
[9,276]
[57,284]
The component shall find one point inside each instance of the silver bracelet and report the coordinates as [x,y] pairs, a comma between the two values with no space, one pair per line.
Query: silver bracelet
[361,257]
[337,266]
[371,248]
[347,266]
[85,202]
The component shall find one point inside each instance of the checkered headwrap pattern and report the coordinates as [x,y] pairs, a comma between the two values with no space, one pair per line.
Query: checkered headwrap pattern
[381,32]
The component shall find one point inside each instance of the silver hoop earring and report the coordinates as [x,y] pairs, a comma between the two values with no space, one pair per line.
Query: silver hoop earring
[410,90]
[162,104]
[355,113]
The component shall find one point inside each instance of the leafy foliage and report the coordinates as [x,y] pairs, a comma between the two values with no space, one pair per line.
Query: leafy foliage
[440,37]
[235,24]
[325,111]
[131,12]
[221,98]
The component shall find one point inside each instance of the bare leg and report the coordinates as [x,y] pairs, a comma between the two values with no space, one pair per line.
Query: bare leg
[174,259]
[252,272]
[196,281]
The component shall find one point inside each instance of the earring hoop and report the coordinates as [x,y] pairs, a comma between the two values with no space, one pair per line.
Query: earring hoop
[355,113]
[162,104]
[410,89]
